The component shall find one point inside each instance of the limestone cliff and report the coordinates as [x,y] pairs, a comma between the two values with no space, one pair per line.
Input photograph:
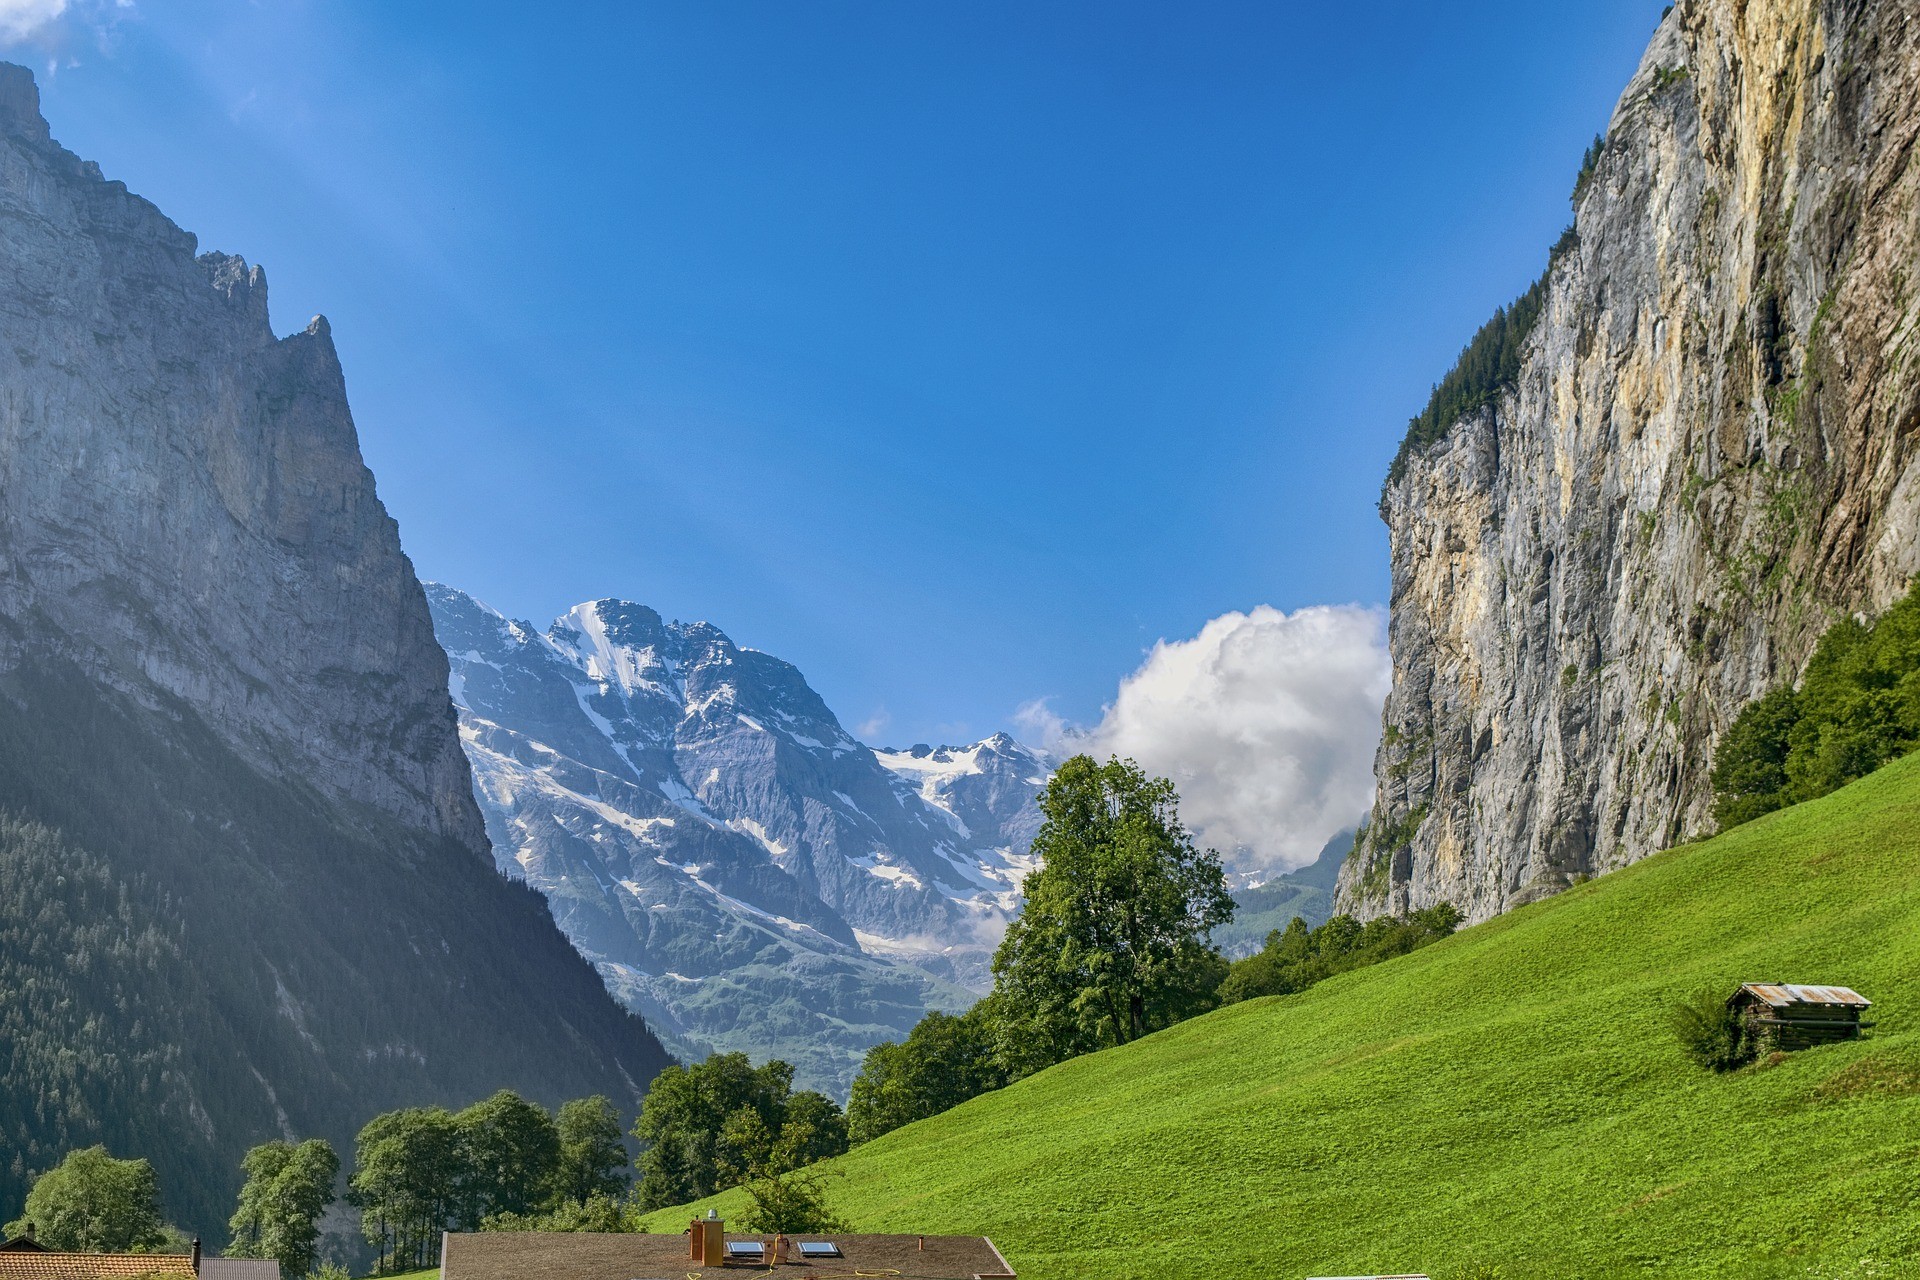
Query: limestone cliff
[185,508]
[245,890]
[1707,454]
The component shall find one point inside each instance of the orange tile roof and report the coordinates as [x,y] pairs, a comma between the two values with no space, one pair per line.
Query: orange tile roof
[92,1266]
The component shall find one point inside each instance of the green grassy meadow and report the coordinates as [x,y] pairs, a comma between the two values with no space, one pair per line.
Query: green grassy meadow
[1511,1097]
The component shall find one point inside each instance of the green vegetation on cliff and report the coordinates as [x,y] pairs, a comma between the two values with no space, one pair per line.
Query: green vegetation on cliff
[1511,1097]
[1857,707]
[1488,366]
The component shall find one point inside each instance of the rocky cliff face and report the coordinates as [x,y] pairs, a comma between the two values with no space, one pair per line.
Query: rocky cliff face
[248,891]
[1708,454]
[738,867]
[186,511]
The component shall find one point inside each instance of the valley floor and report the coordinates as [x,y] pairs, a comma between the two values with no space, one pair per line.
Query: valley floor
[1512,1096]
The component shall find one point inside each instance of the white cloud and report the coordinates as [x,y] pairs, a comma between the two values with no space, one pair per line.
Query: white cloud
[22,19]
[1266,722]
[59,27]
[874,725]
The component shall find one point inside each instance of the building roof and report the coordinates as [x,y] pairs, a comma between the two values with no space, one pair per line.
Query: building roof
[1784,995]
[581,1255]
[92,1266]
[239,1269]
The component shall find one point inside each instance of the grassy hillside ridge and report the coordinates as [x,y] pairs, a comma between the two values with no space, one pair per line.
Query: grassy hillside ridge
[1511,1096]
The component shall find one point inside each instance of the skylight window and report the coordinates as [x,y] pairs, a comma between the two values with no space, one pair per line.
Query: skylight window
[819,1249]
[746,1249]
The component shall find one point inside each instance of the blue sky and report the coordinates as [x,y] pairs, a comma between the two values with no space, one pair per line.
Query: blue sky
[955,352]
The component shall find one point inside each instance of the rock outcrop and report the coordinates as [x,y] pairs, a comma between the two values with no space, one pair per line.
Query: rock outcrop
[222,701]
[1707,455]
[186,511]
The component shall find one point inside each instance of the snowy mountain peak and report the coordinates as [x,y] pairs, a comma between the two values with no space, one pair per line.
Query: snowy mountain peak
[711,804]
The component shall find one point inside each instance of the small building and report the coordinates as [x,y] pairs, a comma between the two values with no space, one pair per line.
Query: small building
[583,1255]
[1788,1016]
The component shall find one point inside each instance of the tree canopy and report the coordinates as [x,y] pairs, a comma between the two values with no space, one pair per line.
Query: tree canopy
[1297,958]
[1856,708]
[944,1060]
[1112,942]
[288,1187]
[593,1156]
[509,1156]
[406,1182]
[1488,365]
[1490,362]
[502,1163]
[793,1203]
[714,1125]
[93,1203]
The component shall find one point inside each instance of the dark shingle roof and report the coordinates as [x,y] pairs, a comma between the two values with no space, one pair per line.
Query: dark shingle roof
[239,1269]
[540,1255]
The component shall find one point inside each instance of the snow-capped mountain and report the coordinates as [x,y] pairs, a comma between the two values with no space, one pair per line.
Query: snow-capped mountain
[742,871]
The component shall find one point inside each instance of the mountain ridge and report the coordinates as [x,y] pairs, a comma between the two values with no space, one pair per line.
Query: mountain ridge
[736,864]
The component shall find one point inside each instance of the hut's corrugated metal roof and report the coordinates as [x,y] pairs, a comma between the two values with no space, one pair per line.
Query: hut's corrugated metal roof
[1781,995]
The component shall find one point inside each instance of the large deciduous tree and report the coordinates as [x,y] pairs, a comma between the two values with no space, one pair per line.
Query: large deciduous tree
[406,1182]
[93,1203]
[593,1158]
[510,1155]
[715,1124]
[1112,942]
[288,1187]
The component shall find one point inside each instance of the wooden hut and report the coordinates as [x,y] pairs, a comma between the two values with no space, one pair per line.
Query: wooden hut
[1786,1015]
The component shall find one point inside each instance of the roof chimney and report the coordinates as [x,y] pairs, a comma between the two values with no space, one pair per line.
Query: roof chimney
[196,1255]
[29,1232]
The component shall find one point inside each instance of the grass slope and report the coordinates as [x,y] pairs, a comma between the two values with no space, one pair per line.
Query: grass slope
[1511,1096]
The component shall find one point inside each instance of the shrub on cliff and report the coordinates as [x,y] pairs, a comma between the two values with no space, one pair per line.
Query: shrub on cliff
[1857,707]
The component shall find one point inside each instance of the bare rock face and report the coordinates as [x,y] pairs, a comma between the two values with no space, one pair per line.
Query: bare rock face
[1709,454]
[245,890]
[185,509]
